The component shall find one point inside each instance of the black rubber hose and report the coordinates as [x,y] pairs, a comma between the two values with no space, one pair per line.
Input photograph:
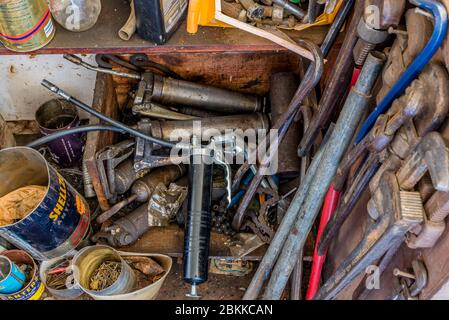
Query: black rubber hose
[58,135]
[50,86]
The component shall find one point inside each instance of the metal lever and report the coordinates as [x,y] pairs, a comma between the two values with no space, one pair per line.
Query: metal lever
[78,61]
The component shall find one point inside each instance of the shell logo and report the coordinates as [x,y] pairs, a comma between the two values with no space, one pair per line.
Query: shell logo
[80,206]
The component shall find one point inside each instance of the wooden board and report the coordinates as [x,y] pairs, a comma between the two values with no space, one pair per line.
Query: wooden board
[105,101]
[247,72]
[170,241]
[103,38]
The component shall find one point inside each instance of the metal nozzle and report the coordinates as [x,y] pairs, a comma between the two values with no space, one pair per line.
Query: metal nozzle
[193,292]
[73,59]
[78,61]
[55,89]
[50,86]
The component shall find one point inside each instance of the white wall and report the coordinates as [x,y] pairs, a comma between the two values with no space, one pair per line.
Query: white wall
[20,75]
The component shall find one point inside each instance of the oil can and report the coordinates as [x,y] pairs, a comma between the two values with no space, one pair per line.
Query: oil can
[157,20]
[25,25]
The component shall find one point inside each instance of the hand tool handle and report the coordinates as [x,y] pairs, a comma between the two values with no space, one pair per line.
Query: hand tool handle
[198,226]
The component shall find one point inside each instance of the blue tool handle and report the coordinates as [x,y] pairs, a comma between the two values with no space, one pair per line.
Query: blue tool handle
[440,15]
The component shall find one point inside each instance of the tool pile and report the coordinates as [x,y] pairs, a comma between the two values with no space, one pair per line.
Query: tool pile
[258,170]
[277,12]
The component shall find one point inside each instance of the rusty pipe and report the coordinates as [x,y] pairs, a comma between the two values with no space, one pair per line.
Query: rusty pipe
[168,91]
[309,82]
[283,88]
[311,78]
[352,112]
[339,80]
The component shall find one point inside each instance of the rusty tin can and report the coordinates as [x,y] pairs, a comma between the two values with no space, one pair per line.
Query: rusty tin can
[25,25]
[59,222]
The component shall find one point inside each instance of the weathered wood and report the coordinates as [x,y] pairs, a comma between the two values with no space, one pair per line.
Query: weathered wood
[247,72]
[170,241]
[6,137]
[105,101]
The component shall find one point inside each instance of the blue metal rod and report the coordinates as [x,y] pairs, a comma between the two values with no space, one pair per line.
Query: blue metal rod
[439,34]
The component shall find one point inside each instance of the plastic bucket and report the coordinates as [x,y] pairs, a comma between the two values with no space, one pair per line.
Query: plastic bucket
[34,288]
[149,292]
[12,279]
[59,222]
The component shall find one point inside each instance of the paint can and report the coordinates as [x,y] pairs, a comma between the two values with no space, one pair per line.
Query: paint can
[12,279]
[87,261]
[25,25]
[59,222]
[34,287]
[59,115]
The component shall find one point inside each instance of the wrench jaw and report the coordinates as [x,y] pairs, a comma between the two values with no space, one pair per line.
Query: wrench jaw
[431,155]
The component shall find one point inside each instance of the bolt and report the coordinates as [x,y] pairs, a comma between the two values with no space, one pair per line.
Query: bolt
[361,51]
[399,273]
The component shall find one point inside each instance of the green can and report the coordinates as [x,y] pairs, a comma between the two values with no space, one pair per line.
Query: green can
[25,25]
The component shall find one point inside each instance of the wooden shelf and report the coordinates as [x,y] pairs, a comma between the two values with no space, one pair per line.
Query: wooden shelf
[103,38]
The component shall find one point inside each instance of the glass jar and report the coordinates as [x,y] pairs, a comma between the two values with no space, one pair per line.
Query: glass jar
[75,15]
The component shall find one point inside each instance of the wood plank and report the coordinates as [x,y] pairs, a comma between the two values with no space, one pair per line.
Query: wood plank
[103,38]
[170,241]
[105,101]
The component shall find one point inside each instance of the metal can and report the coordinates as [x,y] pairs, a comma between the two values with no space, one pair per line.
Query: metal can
[12,278]
[59,222]
[59,115]
[25,25]
[34,288]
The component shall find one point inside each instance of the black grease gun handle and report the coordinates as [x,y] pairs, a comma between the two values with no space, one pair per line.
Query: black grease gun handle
[198,225]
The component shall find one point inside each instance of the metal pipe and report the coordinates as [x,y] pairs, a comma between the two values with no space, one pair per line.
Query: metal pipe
[312,11]
[283,88]
[280,236]
[166,129]
[309,82]
[347,203]
[440,15]
[296,280]
[285,122]
[168,91]
[339,80]
[78,61]
[293,9]
[351,114]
